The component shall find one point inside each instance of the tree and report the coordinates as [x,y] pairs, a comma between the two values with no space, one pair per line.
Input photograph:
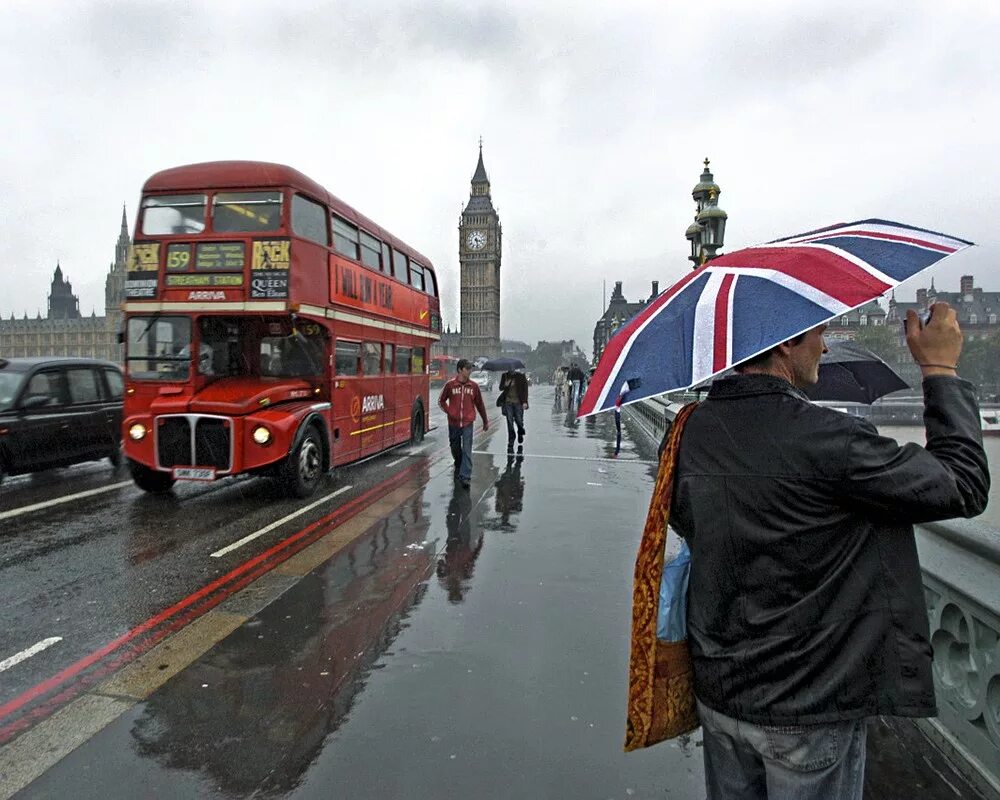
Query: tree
[980,363]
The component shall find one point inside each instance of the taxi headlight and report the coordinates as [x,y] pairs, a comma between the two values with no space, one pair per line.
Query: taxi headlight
[261,435]
[137,432]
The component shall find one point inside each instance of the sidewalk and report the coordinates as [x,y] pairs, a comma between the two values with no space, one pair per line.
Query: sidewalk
[468,644]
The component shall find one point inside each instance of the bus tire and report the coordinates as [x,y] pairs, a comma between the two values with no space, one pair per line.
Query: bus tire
[417,424]
[303,469]
[150,480]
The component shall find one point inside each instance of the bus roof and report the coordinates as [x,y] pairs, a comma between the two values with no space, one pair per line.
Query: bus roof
[261,174]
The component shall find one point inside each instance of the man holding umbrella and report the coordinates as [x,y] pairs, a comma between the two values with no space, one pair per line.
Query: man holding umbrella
[514,389]
[805,605]
[806,609]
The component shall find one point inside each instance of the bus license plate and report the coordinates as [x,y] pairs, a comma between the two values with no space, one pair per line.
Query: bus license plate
[194,473]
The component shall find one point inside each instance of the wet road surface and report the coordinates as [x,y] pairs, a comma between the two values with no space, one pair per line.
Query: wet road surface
[434,643]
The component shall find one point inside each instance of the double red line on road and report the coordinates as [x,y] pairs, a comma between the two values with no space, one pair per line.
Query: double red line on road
[145,636]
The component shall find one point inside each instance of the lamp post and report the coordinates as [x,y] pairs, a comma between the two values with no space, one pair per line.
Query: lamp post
[708,231]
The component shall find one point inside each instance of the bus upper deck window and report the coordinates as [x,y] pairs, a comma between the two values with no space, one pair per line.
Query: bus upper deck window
[246,212]
[175,213]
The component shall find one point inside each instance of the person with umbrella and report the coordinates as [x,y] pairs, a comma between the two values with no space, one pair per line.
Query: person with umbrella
[805,605]
[514,393]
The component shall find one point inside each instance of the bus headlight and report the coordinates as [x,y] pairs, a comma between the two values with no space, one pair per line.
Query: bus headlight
[137,432]
[261,435]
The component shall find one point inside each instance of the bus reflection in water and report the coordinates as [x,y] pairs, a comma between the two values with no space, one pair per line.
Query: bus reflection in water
[270,329]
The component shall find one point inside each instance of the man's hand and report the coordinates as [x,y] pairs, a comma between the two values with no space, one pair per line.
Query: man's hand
[937,345]
[525,406]
[486,425]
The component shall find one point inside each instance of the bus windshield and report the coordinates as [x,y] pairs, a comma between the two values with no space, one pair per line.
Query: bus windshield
[158,348]
[175,213]
[246,212]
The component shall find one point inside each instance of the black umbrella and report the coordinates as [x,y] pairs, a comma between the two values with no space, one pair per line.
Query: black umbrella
[849,373]
[502,364]
[852,373]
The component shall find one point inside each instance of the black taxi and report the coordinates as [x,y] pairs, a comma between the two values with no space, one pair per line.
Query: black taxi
[58,411]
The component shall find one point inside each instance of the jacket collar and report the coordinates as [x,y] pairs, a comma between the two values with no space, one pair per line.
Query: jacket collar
[734,386]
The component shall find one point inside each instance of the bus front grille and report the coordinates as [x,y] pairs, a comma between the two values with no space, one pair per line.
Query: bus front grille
[210,446]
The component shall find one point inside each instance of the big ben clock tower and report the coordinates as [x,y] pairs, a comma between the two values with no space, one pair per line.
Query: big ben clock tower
[479,256]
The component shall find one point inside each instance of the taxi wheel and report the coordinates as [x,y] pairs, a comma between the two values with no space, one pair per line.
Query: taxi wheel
[150,480]
[417,427]
[117,456]
[304,466]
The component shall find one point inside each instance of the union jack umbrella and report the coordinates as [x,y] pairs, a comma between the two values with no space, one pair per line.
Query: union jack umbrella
[745,302]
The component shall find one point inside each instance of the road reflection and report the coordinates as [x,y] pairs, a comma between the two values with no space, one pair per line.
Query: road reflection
[462,546]
[254,712]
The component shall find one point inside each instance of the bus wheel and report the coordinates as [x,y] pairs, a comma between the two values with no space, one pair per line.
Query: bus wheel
[417,426]
[150,480]
[304,466]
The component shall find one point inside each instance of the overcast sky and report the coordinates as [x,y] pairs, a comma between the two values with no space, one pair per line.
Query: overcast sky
[595,118]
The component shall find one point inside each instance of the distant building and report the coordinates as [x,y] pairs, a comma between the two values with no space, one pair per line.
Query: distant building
[978,315]
[846,326]
[513,348]
[64,332]
[618,312]
[450,344]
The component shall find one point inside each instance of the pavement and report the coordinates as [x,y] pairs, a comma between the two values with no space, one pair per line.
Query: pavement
[441,643]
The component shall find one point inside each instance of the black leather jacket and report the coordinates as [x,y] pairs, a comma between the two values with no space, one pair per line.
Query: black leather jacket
[805,601]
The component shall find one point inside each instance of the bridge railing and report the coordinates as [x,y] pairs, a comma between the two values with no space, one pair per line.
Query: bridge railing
[960,560]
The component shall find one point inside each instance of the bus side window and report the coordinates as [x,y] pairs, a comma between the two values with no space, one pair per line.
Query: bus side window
[416,276]
[345,238]
[387,259]
[430,282]
[402,360]
[373,358]
[417,361]
[399,265]
[371,251]
[390,359]
[309,219]
[346,358]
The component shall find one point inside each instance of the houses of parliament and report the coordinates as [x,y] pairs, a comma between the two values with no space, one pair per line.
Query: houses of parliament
[64,331]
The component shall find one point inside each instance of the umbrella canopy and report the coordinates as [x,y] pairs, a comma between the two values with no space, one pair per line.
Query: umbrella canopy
[852,373]
[502,364]
[745,302]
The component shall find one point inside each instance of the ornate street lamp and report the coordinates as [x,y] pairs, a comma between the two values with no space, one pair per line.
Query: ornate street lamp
[707,233]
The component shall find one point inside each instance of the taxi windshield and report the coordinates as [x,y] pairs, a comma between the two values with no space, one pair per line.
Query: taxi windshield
[10,383]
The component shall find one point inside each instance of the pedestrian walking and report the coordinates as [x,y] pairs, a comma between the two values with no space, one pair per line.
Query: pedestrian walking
[460,399]
[514,387]
[576,383]
[806,611]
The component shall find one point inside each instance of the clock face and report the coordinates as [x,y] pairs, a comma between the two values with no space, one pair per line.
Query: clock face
[476,240]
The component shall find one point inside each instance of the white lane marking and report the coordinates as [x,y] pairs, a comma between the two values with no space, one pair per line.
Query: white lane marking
[397,461]
[17,658]
[16,512]
[569,458]
[278,523]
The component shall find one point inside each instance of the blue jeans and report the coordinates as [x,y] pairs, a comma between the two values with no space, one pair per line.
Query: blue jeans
[745,761]
[460,440]
[515,415]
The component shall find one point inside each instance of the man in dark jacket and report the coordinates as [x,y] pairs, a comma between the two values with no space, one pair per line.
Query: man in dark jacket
[460,399]
[514,387]
[805,609]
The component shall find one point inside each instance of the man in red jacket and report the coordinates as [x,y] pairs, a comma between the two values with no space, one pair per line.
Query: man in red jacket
[460,399]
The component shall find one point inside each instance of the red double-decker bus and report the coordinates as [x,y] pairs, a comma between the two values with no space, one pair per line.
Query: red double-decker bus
[270,328]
